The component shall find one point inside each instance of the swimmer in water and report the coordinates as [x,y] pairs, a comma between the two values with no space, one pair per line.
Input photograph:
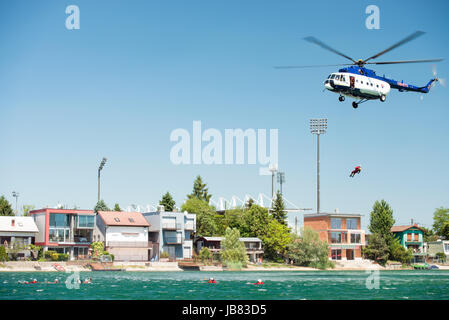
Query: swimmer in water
[87,281]
[211,280]
[259,281]
[34,281]
[56,281]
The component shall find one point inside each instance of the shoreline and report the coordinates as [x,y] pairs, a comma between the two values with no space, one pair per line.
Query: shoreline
[35,266]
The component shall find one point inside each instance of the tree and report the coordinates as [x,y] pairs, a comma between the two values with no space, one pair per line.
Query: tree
[381,220]
[255,222]
[205,255]
[5,207]
[168,202]
[101,206]
[117,207]
[249,203]
[26,209]
[399,253]
[308,250]
[429,235]
[275,240]
[205,216]
[445,231]
[97,249]
[233,252]
[199,190]
[377,249]
[440,219]
[3,254]
[278,210]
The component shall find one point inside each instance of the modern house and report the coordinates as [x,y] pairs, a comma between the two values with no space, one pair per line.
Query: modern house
[435,247]
[172,232]
[125,235]
[411,237]
[341,231]
[18,232]
[65,231]
[253,246]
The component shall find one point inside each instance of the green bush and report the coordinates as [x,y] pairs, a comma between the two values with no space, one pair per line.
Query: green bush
[205,254]
[48,254]
[54,256]
[63,256]
[165,254]
[3,254]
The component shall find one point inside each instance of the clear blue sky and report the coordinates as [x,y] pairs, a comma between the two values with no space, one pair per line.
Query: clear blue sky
[136,70]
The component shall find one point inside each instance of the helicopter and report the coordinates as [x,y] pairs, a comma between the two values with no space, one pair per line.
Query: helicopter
[362,84]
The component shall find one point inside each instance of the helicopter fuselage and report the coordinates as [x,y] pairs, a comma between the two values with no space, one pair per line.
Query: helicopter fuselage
[361,83]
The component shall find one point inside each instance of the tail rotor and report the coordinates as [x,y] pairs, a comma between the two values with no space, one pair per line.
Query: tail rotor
[442,81]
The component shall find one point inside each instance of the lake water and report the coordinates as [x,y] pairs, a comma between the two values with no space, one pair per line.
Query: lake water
[192,285]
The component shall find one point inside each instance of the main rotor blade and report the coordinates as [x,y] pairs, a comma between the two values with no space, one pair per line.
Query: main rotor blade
[400,43]
[313,66]
[405,61]
[325,46]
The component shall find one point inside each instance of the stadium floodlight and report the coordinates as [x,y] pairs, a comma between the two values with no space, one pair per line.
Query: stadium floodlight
[103,162]
[318,127]
[16,195]
[281,179]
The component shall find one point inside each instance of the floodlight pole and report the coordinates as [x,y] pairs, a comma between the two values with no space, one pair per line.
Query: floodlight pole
[318,126]
[16,195]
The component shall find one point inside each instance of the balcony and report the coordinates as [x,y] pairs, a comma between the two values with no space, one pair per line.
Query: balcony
[189,226]
[174,240]
[172,226]
[130,244]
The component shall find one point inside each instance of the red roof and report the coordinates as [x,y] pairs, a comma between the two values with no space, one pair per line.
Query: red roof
[121,218]
[403,228]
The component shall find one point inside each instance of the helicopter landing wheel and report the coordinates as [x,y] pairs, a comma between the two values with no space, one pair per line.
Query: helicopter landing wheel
[383,98]
[355,105]
[341,98]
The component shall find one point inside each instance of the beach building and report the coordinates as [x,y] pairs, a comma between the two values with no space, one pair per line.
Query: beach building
[18,232]
[172,232]
[65,230]
[125,235]
[341,231]
[253,246]
[411,237]
[438,246]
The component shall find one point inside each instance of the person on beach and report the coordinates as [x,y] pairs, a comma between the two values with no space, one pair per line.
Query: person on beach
[356,170]
[259,281]
[211,280]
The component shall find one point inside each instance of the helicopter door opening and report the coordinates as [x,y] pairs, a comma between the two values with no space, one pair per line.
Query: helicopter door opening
[352,82]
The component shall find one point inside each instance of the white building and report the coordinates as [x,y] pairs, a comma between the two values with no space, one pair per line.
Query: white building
[171,232]
[125,235]
[19,231]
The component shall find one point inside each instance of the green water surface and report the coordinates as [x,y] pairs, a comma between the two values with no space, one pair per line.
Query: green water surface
[192,285]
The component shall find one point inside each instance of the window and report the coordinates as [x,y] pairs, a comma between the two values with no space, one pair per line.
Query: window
[409,237]
[131,220]
[337,77]
[336,237]
[335,223]
[117,219]
[377,85]
[416,237]
[329,76]
[351,224]
[355,238]
[336,254]
[86,221]
[361,82]
[333,76]
[342,78]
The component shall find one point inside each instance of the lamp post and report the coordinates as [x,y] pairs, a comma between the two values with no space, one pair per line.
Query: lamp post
[16,195]
[281,179]
[318,126]
[103,162]
[273,168]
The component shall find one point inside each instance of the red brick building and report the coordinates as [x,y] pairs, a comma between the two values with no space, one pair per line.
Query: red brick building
[341,231]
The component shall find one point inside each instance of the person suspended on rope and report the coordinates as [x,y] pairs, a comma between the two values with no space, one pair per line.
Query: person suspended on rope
[356,170]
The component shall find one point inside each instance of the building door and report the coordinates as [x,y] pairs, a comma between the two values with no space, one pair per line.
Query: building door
[349,254]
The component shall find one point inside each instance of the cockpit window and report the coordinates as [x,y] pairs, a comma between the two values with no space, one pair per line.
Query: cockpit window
[342,78]
[329,76]
[333,76]
[337,77]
